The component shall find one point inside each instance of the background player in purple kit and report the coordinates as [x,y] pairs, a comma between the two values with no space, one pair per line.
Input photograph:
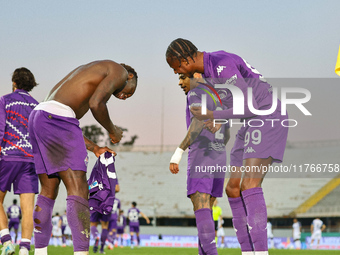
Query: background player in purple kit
[14,216]
[121,224]
[133,216]
[259,147]
[59,147]
[206,150]
[113,220]
[16,158]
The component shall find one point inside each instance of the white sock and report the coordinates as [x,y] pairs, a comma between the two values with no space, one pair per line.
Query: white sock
[25,240]
[40,251]
[247,253]
[4,232]
[261,252]
[81,253]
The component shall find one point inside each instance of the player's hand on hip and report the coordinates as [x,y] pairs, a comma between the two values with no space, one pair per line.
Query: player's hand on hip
[197,112]
[209,125]
[100,150]
[117,135]
[174,168]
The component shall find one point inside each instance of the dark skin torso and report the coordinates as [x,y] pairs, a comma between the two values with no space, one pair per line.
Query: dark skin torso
[95,81]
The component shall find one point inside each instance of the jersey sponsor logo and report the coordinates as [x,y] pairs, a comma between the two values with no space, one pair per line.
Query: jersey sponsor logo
[216,146]
[220,69]
[231,80]
[249,150]
[195,105]
[93,185]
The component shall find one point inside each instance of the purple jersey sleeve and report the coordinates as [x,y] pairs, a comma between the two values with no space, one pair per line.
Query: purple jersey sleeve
[226,68]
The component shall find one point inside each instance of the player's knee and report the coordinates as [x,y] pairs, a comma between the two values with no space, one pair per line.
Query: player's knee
[233,190]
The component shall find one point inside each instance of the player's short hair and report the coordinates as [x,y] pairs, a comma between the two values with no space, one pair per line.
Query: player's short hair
[134,204]
[129,69]
[181,77]
[181,49]
[24,79]
[56,214]
[15,201]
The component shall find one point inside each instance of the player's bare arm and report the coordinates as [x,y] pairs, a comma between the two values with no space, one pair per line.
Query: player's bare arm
[97,150]
[145,217]
[194,130]
[115,80]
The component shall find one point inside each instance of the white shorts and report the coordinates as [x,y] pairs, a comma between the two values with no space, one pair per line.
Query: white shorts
[56,231]
[296,236]
[316,236]
[220,232]
[67,231]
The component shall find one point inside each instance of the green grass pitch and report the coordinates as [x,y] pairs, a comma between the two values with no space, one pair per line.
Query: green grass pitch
[180,251]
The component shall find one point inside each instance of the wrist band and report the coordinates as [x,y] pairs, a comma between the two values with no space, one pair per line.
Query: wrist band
[177,156]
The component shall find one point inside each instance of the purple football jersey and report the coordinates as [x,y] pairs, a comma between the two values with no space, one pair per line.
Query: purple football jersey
[207,149]
[121,222]
[221,67]
[133,215]
[15,109]
[14,213]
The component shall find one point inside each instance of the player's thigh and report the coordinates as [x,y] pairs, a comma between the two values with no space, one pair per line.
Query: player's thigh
[75,182]
[200,200]
[255,171]
[233,187]
[105,224]
[2,196]
[49,186]
[212,201]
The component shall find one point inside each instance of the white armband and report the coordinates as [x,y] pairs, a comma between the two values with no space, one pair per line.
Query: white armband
[177,156]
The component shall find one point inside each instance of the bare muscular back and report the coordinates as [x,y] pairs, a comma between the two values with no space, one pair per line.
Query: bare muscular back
[96,80]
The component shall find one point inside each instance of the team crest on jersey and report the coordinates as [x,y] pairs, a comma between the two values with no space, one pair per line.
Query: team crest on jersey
[222,94]
[86,161]
[220,69]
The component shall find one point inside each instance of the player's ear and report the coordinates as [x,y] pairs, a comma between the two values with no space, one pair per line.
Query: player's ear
[130,76]
[197,75]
